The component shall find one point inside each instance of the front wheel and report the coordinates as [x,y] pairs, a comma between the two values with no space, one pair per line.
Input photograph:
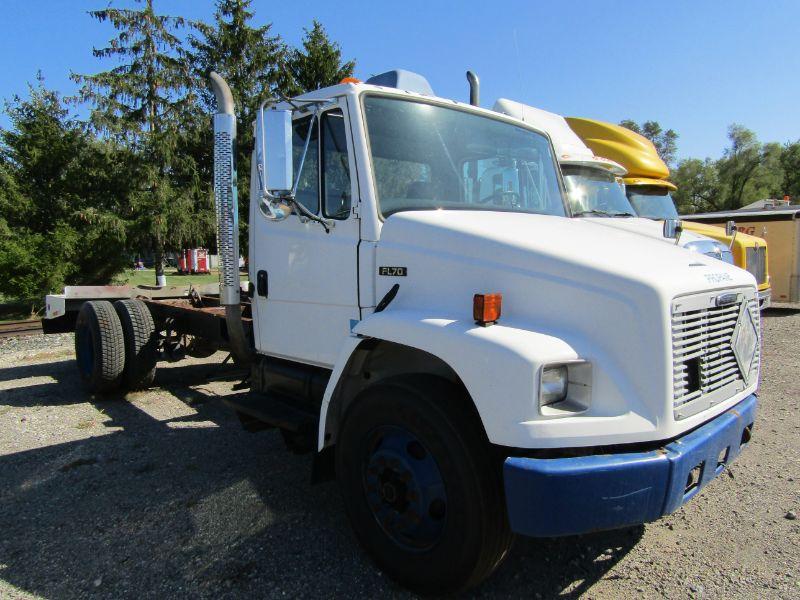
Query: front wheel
[420,486]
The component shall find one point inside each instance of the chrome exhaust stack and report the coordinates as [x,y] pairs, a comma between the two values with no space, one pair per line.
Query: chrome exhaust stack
[227,208]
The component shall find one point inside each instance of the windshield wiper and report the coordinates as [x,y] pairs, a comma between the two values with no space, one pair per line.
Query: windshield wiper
[604,213]
[583,213]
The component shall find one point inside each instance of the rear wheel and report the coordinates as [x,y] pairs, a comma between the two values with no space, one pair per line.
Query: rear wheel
[99,347]
[421,489]
[141,343]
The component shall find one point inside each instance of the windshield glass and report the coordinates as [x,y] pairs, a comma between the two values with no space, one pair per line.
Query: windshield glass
[426,157]
[594,191]
[652,202]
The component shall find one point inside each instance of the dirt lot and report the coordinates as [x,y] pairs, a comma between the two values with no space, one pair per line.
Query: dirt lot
[162,494]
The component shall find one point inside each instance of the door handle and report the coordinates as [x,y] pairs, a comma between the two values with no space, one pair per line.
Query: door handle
[262,285]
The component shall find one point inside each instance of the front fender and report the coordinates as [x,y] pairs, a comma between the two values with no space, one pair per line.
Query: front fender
[498,365]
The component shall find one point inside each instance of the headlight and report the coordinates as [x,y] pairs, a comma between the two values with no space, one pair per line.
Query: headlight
[565,388]
[554,385]
[711,248]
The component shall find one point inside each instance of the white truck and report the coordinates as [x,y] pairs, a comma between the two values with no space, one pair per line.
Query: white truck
[464,359]
[593,184]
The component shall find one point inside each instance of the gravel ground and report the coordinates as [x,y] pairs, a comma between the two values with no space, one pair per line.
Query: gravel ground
[162,494]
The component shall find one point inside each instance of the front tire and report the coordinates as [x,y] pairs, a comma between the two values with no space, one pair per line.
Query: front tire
[99,347]
[420,486]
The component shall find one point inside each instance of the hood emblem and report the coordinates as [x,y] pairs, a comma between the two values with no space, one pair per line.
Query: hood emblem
[725,299]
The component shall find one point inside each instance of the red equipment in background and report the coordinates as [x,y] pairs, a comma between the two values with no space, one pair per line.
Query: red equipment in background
[193,260]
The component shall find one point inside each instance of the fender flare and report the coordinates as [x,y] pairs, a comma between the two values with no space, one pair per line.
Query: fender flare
[479,356]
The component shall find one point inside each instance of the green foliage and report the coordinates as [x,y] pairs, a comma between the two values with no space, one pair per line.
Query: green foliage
[148,101]
[790,162]
[748,171]
[317,65]
[666,142]
[250,59]
[698,185]
[76,199]
[62,199]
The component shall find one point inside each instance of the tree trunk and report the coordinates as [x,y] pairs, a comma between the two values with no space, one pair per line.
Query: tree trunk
[161,279]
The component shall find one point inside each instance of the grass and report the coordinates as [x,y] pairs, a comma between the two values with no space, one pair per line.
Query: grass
[148,277]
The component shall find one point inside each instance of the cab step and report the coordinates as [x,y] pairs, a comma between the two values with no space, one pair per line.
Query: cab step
[272,410]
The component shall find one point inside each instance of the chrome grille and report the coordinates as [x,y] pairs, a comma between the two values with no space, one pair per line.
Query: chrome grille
[705,369]
[756,264]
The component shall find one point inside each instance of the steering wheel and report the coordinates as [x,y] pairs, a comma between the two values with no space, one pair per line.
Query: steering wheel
[494,196]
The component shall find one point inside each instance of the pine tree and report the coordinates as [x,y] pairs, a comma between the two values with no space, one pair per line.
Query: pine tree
[147,100]
[250,59]
[63,200]
[318,64]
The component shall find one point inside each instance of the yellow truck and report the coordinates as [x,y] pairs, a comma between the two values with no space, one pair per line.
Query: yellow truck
[649,192]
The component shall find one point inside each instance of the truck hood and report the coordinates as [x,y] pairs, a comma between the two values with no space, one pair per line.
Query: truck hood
[606,293]
[610,254]
[647,228]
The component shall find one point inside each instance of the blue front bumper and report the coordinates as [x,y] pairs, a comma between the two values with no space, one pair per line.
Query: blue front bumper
[549,497]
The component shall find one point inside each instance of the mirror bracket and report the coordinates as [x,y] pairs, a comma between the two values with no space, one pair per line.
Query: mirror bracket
[673,229]
[731,231]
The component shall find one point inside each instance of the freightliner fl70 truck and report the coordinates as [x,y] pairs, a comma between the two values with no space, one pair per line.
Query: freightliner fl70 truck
[468,362]
[649,191]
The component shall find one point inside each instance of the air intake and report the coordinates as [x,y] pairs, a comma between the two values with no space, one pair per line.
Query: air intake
[402,80]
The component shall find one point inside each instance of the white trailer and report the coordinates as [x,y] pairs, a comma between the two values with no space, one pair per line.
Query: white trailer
[464,359]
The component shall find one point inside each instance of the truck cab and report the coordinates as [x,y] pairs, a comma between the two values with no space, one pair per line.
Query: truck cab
[594,183]
[649,192]
[466,360]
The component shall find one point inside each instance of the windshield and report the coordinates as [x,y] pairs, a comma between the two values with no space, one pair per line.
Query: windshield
[595,191]
[427,157]
[652,202]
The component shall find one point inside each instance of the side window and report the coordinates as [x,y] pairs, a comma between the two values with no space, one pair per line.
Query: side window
[308,188]
[336,199]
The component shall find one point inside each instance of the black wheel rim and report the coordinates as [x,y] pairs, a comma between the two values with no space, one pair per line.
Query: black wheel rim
[404,488]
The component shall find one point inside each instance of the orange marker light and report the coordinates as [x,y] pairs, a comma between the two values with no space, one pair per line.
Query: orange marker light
[486,308]
[350,80]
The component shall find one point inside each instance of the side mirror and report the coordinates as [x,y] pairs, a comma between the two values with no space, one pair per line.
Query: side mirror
[274,150]
[673,229]
[730,231]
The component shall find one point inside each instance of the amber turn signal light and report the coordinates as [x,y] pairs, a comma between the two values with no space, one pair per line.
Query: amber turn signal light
[486,308]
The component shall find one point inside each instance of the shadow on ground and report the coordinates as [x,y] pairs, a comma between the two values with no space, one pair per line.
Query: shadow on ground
[194,506]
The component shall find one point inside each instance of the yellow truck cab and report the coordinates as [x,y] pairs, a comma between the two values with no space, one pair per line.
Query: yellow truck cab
[649,192]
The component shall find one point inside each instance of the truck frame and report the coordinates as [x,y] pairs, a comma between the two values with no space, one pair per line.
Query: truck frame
[423,318]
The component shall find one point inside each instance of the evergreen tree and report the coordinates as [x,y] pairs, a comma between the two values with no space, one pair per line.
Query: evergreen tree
[250,60]
[63,200]
[318,64]
[147,100]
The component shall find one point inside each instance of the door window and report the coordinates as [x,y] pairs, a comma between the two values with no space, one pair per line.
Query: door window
[308,186]
[335,169]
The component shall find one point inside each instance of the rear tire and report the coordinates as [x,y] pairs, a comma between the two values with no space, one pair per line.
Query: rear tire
[99,347]
[141,343]
[420,485]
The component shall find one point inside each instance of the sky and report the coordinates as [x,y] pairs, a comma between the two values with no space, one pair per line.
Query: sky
[693,66]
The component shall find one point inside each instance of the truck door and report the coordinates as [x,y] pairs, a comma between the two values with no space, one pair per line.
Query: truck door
[308,292]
